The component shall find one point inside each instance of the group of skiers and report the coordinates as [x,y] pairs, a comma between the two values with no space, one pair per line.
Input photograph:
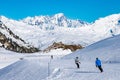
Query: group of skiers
[97,63]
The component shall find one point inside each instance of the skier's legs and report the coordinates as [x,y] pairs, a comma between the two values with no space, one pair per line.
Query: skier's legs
[77,65]
[100,68]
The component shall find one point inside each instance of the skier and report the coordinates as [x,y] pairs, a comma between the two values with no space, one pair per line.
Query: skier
[77,62]
[51,56]
[98,64]
[111,31]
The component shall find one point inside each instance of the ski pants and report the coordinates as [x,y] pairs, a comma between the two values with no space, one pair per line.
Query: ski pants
[77,65]
[100,68]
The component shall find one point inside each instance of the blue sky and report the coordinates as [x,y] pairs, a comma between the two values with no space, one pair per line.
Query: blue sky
[86,10]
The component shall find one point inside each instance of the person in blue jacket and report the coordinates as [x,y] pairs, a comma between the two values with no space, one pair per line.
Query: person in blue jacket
[98,64]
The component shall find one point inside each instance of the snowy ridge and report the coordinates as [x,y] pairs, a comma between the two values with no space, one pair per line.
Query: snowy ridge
[103,25]
[11,41]
[52,22]
[43,31]
[9,34]
[26,32]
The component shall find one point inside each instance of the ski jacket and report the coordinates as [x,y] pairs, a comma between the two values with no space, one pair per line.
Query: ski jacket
[77,61]
[98,62]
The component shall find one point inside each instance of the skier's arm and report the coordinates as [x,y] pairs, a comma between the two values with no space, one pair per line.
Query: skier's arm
[79,62]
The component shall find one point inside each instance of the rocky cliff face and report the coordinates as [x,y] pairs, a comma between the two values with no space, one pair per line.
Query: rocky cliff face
[58,45]
[10,41]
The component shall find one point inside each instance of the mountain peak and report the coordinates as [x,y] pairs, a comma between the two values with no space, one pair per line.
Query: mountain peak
[109,18]
[59,15]
[52,22]
[3,18]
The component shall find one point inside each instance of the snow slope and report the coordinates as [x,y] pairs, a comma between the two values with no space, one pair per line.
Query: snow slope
[41,67]
[8,57]
[108,50]
[31,67]
[25,70]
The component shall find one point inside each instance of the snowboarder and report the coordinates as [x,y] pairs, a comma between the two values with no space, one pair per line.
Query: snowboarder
[77,62]
[98,64]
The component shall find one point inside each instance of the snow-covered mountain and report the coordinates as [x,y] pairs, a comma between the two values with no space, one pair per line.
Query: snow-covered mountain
[43,31]
[11,41]
[52,22]
[104,25]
